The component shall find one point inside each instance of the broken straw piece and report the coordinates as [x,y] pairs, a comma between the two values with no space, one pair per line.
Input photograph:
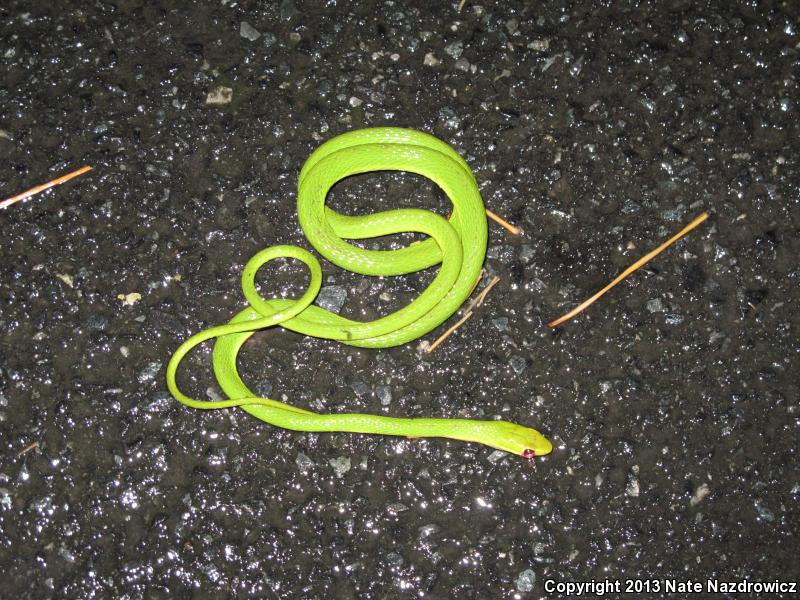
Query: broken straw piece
[642,261]
[44,186]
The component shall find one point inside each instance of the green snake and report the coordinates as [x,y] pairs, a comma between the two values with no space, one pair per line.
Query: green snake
[458,244]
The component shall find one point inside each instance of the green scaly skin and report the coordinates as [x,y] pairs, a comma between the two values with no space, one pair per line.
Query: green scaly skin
[458,244]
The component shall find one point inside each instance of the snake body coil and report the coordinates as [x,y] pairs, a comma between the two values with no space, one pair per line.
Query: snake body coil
[459,244]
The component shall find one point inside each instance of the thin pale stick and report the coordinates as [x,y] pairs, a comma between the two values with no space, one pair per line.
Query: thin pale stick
[645,259]
[45,186]
[513,229]
[27,449]
[467,314]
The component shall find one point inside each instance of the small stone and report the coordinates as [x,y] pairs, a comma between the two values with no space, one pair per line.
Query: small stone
[384,393]
[263,388]
[249,32]
[396,507]
[430,60]
[518,363]
[5,499]
[526,581]
[500,323]
[360,388]
[97,322]
[496,455]
[149,372]
[67,279]
[340,465]
[448,115]
[355,102]
[648,104]
[462,64]
[303,462]
[527,253]
[632,489]
[699,494]
[427,531]
[655,305]
[393,558]
[288,10]
[269,39]
[161,403]
[539,45]
[219,96]
[332,298]
[763,512]
[129,299]
[454,49]
[673,319]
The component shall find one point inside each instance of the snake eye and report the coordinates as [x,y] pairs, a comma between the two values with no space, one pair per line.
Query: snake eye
[529,454]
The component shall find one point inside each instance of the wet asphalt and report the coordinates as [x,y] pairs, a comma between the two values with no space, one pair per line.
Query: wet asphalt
[600,128]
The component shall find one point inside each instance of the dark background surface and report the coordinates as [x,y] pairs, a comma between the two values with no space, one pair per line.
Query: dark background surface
[599,128]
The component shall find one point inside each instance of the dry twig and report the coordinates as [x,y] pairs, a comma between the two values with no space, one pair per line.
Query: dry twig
[467,313]
[44,186]
[645,259]
[27,449]
[513,229]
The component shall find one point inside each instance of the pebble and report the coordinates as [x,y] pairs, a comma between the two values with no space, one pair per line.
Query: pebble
[655,305]
[496,455]
[67,279]
[632,489]
[340,465]
[448,115]
[332,298]
[129,299]
[699,494]
[500,323]
[219,96]
[269,39]
[288,10]
[303,462]
[5,499]
[462,64]
[526,580]
[161,403]
[673,319]
[97,322]
[518,363]
[360,388]
[427,531]
[249,32]
[526,253]
[763,512]
[430,60]
[539,45]
[263,388]
[149,372]
[384,393]
[454,49]
[394,559]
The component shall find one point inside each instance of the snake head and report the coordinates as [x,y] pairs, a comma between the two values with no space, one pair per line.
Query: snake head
[516,439]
